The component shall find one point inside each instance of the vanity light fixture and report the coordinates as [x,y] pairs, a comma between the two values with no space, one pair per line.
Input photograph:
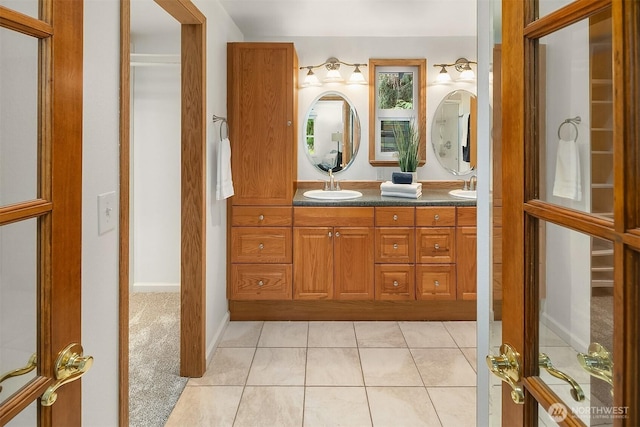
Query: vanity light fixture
[461,65]
[333,73]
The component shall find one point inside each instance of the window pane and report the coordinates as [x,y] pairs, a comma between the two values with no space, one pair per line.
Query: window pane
[395,90]
[576,322]
[18,117]
[27,7]
[545,7]
[388,130]
[577,117]
[18,301]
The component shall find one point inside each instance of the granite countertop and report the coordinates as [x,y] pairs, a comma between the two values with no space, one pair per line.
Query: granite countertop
[372,197]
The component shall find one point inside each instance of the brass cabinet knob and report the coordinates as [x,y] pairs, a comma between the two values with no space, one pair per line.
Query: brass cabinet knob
[395,217]
[337,234]
[395,283]
[436,283]
[261,246]
[395,246]
[260,217]
[436,217]
[260,283]
[436,246]
[330,234]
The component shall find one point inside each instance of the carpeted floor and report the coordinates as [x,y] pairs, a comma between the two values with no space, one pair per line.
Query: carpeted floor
[154,358]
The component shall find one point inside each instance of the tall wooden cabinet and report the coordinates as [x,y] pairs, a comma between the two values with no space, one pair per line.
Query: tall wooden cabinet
[262,111]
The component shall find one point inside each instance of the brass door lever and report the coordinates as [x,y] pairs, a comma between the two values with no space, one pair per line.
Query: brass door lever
[507,367]
[576,390]
[70,365]
[30,366]
[598,363]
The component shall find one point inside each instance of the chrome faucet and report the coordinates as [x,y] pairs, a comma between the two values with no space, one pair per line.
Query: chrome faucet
[473,182]
[332,184]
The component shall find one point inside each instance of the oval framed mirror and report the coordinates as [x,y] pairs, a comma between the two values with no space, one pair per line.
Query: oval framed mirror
[453,132]
[331,132]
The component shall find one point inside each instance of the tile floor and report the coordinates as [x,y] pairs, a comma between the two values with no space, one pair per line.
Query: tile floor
[336,374]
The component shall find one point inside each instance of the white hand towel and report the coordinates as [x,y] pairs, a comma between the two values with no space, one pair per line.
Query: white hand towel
[567,181]
[412,188]
[401,194]
[224,183]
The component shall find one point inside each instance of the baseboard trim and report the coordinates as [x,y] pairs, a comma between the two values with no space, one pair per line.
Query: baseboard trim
[155,287]
[217,337]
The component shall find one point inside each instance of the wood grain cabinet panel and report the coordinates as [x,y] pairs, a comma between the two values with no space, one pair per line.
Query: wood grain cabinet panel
[353,252]
[313,263]
[395,216]
[256,245]
[395,245]
[436,282]
[466,242]
[435,216]
[395,282]
[261,281]
[436,245]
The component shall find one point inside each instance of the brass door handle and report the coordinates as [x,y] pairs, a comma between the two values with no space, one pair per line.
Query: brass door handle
[598,363]
[576,391]
[70,365]
[507,367]
[30,366]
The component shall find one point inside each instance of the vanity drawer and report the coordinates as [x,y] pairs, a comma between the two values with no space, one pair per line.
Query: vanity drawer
[261,282]
[395,245]
[395,282]
[436,245]
[395,216]
[436,216]
[261,244]
[333,216]
[261,216]
[436,282]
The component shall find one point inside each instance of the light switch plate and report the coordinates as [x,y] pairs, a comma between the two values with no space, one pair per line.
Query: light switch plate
[107,215]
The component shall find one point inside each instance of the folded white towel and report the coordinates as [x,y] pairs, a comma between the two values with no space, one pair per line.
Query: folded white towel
[224,183]
[401,194]
[567,181]
[401,188]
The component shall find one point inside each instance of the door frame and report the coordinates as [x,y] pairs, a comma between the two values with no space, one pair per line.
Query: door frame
[193,196]
[522,210]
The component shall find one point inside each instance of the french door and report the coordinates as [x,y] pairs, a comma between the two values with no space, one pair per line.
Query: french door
[571,213]
[40,212]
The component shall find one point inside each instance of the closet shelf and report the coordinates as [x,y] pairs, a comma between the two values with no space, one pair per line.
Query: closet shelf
[596,185]
[602,269]
[602,252]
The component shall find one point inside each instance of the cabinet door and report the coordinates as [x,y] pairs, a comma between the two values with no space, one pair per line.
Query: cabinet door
[466,241]
[313,262]
[261,98]
[353,251]
[395,245]
[436,281]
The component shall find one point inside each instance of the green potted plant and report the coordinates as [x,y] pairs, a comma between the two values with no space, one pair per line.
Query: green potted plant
[407,139]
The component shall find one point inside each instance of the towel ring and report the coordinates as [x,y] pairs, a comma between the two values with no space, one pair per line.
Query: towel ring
[223,120]
[573,122]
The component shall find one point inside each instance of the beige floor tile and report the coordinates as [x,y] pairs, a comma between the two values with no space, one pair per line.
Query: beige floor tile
[229,366]
[443,367]
[278,366]
[389,367]
[401,406]
[241,334]
[333,367]
[332,334]
[336,406]
[471,355]
[426,334]
[270,407]
[206,406]
[379,334]
[455,406]
[284,334]
[463,332]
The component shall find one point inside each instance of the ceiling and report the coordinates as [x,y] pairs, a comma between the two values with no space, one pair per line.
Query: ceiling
[259,19]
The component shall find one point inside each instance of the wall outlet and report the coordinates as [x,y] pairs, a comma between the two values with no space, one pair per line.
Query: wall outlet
[107,215]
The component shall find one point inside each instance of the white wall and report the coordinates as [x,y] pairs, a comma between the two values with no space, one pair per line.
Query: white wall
[155,171]
[316,50]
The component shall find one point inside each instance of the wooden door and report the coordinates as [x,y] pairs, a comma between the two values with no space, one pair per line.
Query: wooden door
[550,233]
[313,262]
[353,252]
[40,206]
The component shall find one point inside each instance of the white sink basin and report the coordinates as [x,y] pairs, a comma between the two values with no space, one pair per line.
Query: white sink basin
[465,194]
[332,195]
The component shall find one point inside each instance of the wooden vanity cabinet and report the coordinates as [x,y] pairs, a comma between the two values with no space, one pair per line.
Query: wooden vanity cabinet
[262,111]
[333,253]
[395,253]
[466,243]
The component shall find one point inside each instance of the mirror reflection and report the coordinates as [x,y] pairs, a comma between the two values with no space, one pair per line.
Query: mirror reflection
[331,132]
[453,132]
